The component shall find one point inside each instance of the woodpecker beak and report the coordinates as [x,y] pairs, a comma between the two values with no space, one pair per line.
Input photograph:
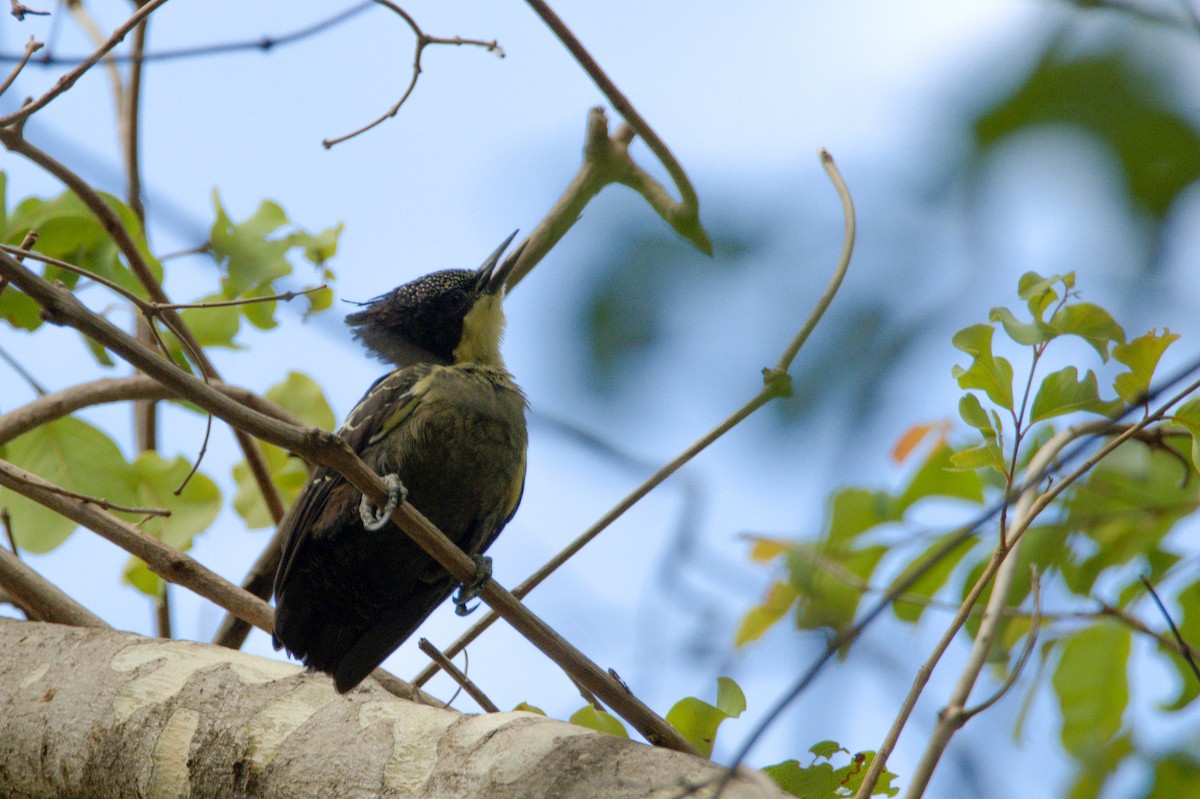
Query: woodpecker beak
[493,278]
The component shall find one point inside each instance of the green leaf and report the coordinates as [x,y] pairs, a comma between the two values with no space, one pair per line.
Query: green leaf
[73,455]
[827,749]
[1063,392]
[825,600]
[1092,687]
[1039,292]
[1188,415]
[192,511]
[19,310]
[730,699]
[991,374]
[1175,776]
[823,781]
[698,721]
[248,257]
[287,473]
[303,396]
[1141,356]
[1132,499]
[319,248]
[213,327]
[1027,333]
[69,231]
[931,581]
[760,618]
[817,781]
[1091,323]
[938,478]
[528,708]
[599,720]
[988,456]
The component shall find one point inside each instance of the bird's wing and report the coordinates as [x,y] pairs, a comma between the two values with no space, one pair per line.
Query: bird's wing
[386,404]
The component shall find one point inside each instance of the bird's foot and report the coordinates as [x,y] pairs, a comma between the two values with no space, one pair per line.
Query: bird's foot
[468,591]
[375,518]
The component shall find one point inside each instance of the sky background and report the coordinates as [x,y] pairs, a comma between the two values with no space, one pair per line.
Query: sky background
[744,94]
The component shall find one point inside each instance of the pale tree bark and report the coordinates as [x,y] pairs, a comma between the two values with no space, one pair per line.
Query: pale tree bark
[96,713]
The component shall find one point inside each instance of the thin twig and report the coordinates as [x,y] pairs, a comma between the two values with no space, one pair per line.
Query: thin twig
[68,80]
[470,688]
[6,523]
[16,366]
[263,43]
[1185,649]
[162,612]
[1035,587]
[20,10]
[286,296]
[31,47]
[685,217]
[100,502]
[199,456]
[423,41]
[329,449]
[776,383]
[41,598]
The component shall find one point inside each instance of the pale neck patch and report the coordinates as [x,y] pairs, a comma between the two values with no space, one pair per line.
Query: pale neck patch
[482,328]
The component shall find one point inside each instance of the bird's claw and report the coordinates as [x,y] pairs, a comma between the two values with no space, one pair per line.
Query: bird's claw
[375,518]
[468,591]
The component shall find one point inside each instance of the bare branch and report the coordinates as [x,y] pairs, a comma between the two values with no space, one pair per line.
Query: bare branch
[68,80]
[472,690]
[19,10]
[684,217]
[31,47]
[286,296]
[1185,649]
[42,598]
[776,384]
[1035,587]
[423,41]
[57,404]
[266,42]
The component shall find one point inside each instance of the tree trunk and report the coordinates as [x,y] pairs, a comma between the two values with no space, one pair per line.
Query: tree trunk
[95,713]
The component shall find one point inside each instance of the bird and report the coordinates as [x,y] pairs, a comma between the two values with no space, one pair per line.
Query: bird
[446,428]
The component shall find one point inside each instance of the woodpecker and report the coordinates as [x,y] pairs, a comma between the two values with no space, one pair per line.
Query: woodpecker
[447,430]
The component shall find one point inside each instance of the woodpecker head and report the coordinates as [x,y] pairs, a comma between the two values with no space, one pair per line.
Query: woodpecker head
[448,317]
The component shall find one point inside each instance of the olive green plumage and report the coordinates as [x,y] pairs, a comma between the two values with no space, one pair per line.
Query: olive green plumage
[450,423]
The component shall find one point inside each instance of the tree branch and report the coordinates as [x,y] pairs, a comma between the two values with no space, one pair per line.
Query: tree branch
[684,217]
[31,47]
[141,717]
[107,390]
[423,41]
[328,449]
[776,382]
[42,598]
[68,80]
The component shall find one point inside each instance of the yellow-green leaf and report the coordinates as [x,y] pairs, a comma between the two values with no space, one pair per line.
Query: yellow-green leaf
[73,455]
[599,720]
[1141,356]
